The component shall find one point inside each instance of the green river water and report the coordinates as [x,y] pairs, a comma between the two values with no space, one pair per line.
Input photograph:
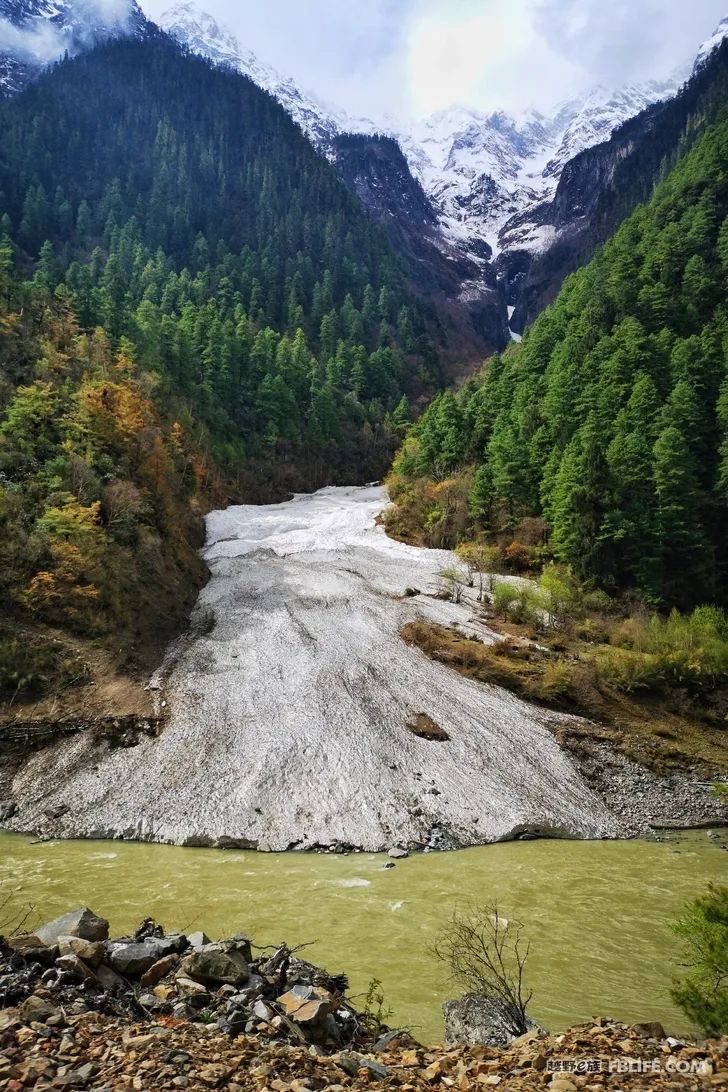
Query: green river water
[598,913]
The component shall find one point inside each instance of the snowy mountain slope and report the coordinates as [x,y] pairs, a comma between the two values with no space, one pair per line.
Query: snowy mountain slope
[480,171]
[34,33]
[192,26]
[720,32]
[491,179]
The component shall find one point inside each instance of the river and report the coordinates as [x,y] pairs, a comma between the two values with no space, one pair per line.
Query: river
[597,913]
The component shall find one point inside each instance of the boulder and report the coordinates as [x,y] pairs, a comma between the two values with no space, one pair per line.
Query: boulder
[239,943]
[134,958]
[397,853]
[32,949]
[90,951]
[36,1010]
[216,964]
[307,1004]
[76,967]
[158,971]
[478,1020]
[189,988]
[81,923]
[23,942]
[109,979]
[263,1011]
[650,1030]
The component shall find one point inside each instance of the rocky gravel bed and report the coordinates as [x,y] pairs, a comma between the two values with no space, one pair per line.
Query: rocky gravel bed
[152,1012]
[647,802]
[86,1051]
[69,967]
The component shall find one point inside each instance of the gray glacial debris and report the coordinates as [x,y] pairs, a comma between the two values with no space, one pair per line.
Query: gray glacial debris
[289,710]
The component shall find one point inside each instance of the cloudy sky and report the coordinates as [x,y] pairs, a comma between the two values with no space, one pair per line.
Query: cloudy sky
[412,57]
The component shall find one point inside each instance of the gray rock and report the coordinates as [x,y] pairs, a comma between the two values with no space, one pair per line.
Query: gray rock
[351,1063]
[242,998]
[81,923]
[239,943]
[397,853]
[109,979]
[197,940]
[262,1011]
[36,1010]
[91,952]
[134,958]
[72,965]
[214,965]
[477,1020]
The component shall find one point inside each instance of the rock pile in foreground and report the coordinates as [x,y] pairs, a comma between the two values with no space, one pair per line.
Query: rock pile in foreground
[153,1012]
[69,967]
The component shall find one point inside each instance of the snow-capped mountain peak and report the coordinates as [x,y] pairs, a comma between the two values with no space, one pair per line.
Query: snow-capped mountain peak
[478,169]
[720,32]
[196,28]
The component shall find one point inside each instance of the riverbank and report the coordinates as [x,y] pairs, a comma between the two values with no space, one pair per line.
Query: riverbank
[155,1011]
[113,1054]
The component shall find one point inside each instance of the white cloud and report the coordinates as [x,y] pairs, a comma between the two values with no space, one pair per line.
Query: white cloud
[488,55]
[41,39]
[417,56]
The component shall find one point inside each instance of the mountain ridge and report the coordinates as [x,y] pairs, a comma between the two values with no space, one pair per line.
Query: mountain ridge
[492,180]
[490,177]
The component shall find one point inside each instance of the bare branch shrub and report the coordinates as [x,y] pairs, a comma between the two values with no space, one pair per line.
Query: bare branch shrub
[486,954]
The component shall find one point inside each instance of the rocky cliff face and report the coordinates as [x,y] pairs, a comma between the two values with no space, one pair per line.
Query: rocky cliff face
[603,184]
[464,288]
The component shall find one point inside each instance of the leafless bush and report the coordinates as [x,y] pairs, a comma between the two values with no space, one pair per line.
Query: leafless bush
[486,954]
[453,582]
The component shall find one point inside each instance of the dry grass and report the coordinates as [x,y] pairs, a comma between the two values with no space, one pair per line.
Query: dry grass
[647,731]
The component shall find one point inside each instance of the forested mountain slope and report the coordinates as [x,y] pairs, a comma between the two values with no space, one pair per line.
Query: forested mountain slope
[187,212]
[611,420]
[187,289]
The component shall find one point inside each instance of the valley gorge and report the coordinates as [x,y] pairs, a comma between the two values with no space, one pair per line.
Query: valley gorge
[288,715]
[363,485]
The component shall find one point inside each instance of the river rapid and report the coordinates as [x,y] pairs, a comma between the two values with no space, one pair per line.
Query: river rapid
[289,702]
[597,913]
